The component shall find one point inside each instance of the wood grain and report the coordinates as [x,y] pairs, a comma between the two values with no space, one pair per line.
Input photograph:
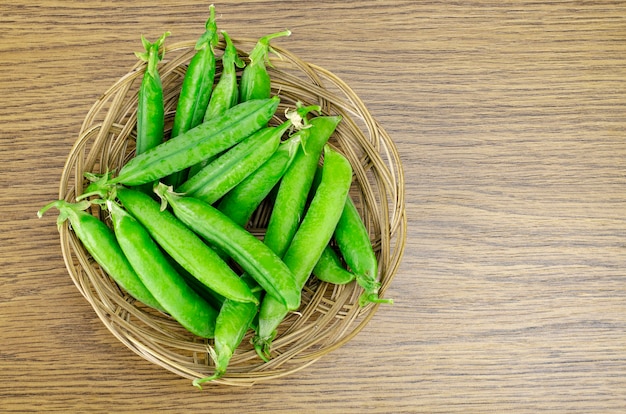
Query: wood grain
[510,118]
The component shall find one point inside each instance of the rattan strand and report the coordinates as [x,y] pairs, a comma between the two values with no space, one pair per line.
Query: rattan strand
[330,315]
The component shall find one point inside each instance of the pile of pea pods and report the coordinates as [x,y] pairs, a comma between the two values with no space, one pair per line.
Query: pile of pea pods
[179,208]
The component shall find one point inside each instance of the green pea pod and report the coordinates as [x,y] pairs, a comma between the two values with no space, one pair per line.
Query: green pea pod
[191,147]
[308,243]
[231,326]
[330,269]
[356,248]
[240,203]
[197,85]
[212,298]
[226,92]
[296,184]
[100,242]
[255,81]
[161,279]
[249,252]
[229,169]
[196,89]
[184,246]
[150,111]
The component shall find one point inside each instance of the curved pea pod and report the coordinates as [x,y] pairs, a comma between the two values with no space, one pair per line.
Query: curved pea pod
[312,237]
[231,326]
[249,252]
[199,143]
[296,183]
[185,247]
[158,275]
[240,203]
[196,89]
[100,242]
[232,167]
[356,248]
[329,268]
[150,110]
[226,92]
[255,81]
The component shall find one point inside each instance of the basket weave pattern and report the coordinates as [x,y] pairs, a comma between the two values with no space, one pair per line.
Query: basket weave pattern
[330,315]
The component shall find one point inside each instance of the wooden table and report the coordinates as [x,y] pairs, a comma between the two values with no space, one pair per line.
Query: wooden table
[511,120]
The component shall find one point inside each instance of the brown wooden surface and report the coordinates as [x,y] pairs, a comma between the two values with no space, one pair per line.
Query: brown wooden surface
[511,120]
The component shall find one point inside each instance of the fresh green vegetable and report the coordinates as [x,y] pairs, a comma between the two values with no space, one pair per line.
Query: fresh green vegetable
[231,326]
[196,89]
[255,81]
[100,242]
[308,243]
[356,248]
[150,112]
[240,203]
[214,299]
[226,92]
[296,183]
[232,167]
[330,269]
[184,246]
[197,85]
[191,147]
[158,275]
[249,252]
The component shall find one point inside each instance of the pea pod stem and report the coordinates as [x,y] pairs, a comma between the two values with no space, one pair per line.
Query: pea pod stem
[311,238]
[159,277]
[152,53]
[249,252]
[255,81]
[101,243]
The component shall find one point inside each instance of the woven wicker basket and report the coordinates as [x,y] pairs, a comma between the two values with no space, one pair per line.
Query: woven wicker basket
[330,315]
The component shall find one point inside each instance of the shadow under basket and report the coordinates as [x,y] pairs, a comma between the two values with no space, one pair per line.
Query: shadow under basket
[330,314]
